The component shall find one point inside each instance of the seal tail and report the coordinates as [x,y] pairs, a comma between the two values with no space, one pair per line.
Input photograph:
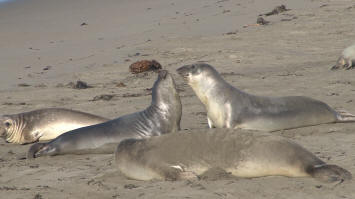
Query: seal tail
[329,173]
[31,154]
[344,116]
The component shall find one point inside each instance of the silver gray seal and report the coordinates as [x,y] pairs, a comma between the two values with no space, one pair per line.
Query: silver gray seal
[229,107]
[242,153]
[161,117]
[43,124]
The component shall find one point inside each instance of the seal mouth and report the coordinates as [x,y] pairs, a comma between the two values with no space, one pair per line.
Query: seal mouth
[163,74]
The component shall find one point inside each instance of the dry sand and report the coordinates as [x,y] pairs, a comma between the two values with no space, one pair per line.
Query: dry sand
[291,56]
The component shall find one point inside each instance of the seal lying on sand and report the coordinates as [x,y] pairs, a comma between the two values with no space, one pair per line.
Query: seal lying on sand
[229,107]
[43,124]
[347,59]
[161,117]
[242,153]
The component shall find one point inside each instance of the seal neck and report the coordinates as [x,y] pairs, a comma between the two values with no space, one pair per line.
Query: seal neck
[209,88]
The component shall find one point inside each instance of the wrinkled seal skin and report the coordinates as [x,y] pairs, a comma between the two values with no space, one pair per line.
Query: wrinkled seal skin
[43,124]
[247,154]
[229,107]
[161,117]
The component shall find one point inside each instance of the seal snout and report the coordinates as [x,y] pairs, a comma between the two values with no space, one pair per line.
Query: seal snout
[163,74]
[184,70]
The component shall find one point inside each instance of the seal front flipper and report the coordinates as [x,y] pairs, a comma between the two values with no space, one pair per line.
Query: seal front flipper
[210,123]
[329,173]
[34,149]
[40,149]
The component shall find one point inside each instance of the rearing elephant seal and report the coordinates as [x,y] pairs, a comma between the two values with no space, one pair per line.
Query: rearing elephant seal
[161,117]
[43,124]
[229,107]
[243,154]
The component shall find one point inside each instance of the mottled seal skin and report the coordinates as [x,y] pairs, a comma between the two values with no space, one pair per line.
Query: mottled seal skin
[229,107]
[246,154]
[161,117]
[346,60]
[43,124]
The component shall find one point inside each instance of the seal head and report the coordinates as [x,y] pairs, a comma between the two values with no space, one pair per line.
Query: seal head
[346,60]
[8,130]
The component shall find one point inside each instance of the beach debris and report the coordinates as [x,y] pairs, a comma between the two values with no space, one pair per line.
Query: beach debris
[23,85]
[277,10]
[132,95]
[83,24]
[144,65]
[231,33]
[47,67]
[38,196]
[11,103]
[34,48]
[130,186]
[105,97]
[121,84]
[262,21]
[41,85]
[121,46]
[13,188]
[134,55]
[78,85]
[259,21]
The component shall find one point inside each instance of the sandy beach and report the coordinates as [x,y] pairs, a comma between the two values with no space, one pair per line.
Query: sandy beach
[46,44]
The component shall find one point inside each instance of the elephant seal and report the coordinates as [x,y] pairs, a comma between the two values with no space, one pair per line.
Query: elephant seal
[43,124]
[161,117]
[229,107]
[347,59]
[242,153]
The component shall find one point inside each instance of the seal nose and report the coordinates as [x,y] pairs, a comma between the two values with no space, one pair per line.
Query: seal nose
[163,74]
[183,69]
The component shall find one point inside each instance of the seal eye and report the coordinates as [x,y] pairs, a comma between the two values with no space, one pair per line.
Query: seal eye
[194,69]
[7,124]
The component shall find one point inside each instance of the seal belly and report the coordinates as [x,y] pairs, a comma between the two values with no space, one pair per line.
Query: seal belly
[54,130]
[251,169]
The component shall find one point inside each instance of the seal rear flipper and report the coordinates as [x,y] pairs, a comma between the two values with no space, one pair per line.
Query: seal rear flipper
[344,116]
[176,172]
[329,173]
